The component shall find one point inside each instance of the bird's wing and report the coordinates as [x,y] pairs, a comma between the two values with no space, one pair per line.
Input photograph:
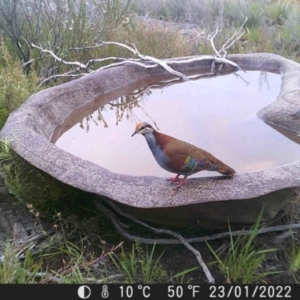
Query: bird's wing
[186,163]
[184,157]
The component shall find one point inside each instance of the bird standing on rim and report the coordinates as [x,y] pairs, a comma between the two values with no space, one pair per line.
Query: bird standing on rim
[178,156]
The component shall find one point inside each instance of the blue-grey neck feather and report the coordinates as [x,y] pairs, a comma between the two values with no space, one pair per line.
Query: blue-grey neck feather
[149,136]
[157,152]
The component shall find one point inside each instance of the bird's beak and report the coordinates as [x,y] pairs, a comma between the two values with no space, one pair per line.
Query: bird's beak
[134,133]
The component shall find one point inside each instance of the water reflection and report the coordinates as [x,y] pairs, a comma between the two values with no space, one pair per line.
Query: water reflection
[217,114]
[125,105]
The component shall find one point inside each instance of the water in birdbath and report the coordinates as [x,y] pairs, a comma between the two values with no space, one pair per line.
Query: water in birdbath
[216,114]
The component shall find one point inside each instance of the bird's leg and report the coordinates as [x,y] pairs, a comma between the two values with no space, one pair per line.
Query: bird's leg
[174,179]
[181,182]
[178,181]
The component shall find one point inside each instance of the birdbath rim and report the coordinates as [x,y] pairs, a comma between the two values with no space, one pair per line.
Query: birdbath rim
[29,130]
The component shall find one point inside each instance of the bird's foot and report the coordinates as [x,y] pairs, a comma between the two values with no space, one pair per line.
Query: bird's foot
[177,181]
[180,182]
[174,179]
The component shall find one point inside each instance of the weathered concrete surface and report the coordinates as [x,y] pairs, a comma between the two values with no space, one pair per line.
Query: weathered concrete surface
[202,201]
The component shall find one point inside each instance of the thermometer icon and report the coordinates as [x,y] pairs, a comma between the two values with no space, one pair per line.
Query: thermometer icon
[104,293]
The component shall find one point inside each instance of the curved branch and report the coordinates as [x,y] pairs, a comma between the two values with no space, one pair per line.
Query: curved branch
[169,232]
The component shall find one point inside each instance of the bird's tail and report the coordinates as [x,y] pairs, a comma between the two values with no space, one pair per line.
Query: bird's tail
[219,166]
[226,170]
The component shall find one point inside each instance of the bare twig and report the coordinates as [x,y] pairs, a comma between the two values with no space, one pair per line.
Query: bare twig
[135,51]
[151,62]
[177,236]
[29,62]
[74,63]
[211,38]
[86,47]
[69,270]
[138,61]
[204,238]
[77,63]
[127,235]
[241,77]
[236,36]
[283,236]
[128,61]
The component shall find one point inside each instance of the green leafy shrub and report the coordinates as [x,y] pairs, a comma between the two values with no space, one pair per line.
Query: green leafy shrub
[15,87]
[31,185]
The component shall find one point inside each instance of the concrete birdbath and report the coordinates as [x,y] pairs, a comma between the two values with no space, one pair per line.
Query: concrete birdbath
[37,131]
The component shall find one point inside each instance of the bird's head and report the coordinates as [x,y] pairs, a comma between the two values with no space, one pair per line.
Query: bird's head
[143,128]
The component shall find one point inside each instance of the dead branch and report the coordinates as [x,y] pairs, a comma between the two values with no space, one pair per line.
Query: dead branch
[120,229]
[74,63]
[218,59]
[198,239]
[177,236]
[135,51]
[29,62]
[140,62]
[211,38]
[236,36]
[241,77]
[77,64]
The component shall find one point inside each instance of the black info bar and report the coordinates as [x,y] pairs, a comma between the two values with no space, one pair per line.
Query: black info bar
[150,291]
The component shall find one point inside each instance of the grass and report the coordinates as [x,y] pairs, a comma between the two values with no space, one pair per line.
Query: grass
[15,87]
[32,186]
[253,35]
[139,266]
[272,25]
[294,259]
[14,270]
[278,12]
[183,277]
[72,265]
[242,261]
[143,266]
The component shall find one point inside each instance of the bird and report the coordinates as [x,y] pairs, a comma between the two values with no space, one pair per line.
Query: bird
[178,156]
